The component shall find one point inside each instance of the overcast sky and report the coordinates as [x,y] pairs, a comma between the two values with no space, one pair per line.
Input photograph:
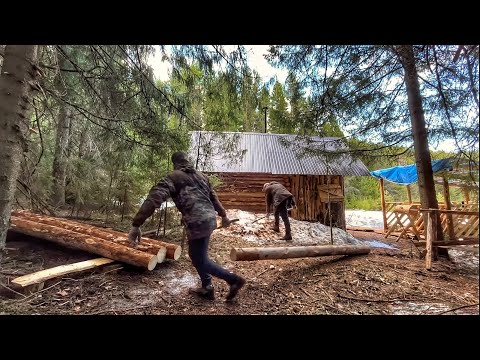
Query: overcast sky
[260,64]
[255,59]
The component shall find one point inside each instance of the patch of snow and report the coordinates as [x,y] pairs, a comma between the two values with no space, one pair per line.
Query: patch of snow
[379,244]
[257,229]
[464,259]
[412,308]
[174,284]
[364,218]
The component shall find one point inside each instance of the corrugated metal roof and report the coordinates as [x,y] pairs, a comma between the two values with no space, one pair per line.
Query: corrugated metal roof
[272,153]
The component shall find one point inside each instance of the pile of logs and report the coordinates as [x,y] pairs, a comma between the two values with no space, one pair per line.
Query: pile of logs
[105,242]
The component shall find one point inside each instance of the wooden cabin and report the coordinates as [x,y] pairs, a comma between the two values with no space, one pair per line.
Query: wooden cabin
[312,169]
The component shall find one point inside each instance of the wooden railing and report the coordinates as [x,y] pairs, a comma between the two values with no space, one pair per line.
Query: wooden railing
[407,220]
[465,230]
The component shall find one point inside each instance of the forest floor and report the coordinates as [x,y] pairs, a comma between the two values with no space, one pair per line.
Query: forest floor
[390,280]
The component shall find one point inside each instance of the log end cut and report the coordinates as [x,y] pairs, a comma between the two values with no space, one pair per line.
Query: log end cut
[233,254]
[152,263]
[161,255]
[177,253]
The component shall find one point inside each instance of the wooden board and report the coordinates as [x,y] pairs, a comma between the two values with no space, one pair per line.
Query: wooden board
[43,275]
[365,229]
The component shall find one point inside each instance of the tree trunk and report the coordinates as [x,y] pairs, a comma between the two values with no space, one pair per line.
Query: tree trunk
[61,142]
[74,240]
[156,249]
[2,54]
[423,159]
[83,142]
[17,81]
[257,253]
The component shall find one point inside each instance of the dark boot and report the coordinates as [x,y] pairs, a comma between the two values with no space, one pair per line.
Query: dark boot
[287,237]
[276,228]
[234,288]
[206,292]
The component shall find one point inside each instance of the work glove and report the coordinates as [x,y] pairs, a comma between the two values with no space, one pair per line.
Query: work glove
[135,235]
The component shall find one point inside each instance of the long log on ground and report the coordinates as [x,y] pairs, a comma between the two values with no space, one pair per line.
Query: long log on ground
[258,253]
[75,240]
[44,275]
[156,249]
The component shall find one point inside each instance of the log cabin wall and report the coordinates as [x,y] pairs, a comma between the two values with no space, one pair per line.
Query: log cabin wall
[312,194]
[244,191]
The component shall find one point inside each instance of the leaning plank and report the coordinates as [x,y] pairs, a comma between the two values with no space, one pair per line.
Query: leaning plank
[258,253]
[365,229]
[156,249]
[43,275]
[74,240]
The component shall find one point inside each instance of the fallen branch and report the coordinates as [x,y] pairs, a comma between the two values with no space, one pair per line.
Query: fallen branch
[374,300]
[306,292]
[120,310]
[263,272]
[457,308]
[38,292]
[16,292]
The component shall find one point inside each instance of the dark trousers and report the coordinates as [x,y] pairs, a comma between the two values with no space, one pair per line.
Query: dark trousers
[198,252]
[281,210]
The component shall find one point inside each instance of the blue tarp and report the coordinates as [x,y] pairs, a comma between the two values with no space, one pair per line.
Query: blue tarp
[406,175]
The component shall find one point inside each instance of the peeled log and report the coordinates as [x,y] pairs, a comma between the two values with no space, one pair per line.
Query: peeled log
[156,249]
[74,240]
[257,253]
[172,251]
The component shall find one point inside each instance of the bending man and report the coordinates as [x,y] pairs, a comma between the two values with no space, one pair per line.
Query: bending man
[277,195]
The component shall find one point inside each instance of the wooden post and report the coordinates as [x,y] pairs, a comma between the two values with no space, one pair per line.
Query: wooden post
[448,206]
[466,193]
[382,199]
[431,237]
[342,182]
[409,194]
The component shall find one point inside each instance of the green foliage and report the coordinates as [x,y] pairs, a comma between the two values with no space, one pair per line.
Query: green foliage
[124,126]
[280,121]
[215,181]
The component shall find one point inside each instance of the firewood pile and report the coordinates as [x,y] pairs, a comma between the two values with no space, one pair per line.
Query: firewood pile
[105,242]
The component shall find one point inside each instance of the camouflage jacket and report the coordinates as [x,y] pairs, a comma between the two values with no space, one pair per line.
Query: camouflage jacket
[275,193]
[194,197]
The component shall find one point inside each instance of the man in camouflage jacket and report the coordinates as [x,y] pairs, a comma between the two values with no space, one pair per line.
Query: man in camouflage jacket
[277,195]
[195,198]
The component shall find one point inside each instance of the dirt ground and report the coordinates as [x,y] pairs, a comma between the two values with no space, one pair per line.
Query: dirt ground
[384,282]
